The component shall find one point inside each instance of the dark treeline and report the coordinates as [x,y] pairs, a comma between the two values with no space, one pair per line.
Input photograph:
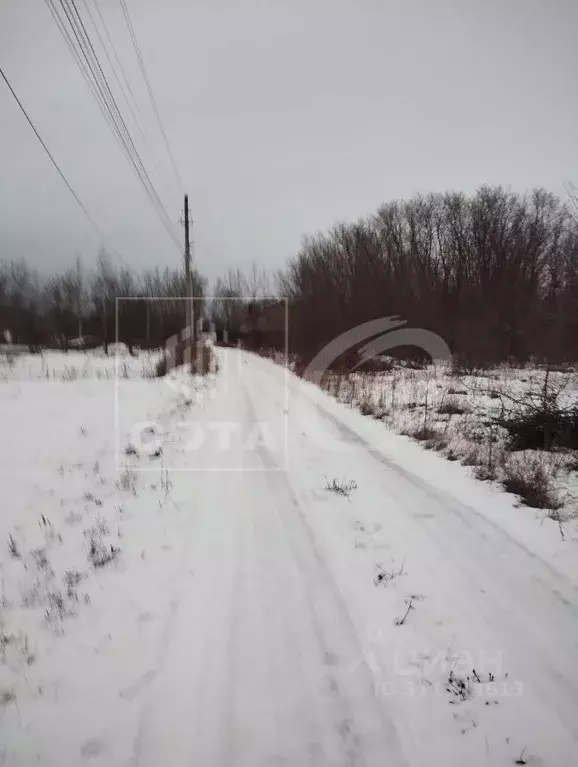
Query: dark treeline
[237,305]
[52,311]
[494,273]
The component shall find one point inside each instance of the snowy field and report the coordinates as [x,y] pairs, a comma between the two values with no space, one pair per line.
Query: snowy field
[59,366]
[79,540]
[241,570]
[456,416]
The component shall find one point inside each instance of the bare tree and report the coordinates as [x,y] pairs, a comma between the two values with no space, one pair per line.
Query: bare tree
[493,272]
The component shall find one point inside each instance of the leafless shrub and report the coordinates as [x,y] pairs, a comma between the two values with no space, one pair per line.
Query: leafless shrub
[341,487]
[543,417]
[40,559]
[460,688]
[451,407]
[39,576]
[542,428]
[410,606]
[366,405]
[127,480]
[71,580]
[101,554]
[472,456]
[58,608]
[532,481]
[423,434]
[166,483]
[437,442]
[520,759]
[100,527]
[384,576]
[486,473]
[14,648]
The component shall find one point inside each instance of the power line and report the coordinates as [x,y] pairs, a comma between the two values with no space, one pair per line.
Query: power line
[102,85]
[125,86]
[149,88]
[62,30]
[111,106]
[125,89]
[48,152]
[77,58]
[80,45]
[95,226]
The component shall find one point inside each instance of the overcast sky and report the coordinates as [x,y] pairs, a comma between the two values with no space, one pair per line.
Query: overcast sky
[283,117]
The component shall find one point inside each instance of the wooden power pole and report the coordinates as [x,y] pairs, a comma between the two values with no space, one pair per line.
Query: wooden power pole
[79,296]
[190,311]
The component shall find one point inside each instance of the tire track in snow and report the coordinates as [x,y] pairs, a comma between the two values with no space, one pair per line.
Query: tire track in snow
[365,730]
[486,558]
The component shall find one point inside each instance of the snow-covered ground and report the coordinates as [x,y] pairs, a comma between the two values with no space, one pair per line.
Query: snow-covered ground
[456,416]
[267,578]
[59,366]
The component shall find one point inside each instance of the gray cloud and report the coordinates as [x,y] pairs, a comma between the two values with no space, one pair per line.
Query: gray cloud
[283,118]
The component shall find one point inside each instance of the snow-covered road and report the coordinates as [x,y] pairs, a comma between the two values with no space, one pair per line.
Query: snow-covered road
[416,619]
[280,649]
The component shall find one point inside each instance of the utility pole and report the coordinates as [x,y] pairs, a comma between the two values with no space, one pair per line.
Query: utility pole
[148,310]
[190,311]
[79,296]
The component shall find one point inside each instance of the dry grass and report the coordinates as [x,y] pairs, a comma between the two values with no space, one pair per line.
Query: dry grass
[341,487]
[463,414]
[532,478]
[451,406]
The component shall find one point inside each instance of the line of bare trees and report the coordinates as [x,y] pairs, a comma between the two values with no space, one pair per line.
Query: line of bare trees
[74,303]
[495,273]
